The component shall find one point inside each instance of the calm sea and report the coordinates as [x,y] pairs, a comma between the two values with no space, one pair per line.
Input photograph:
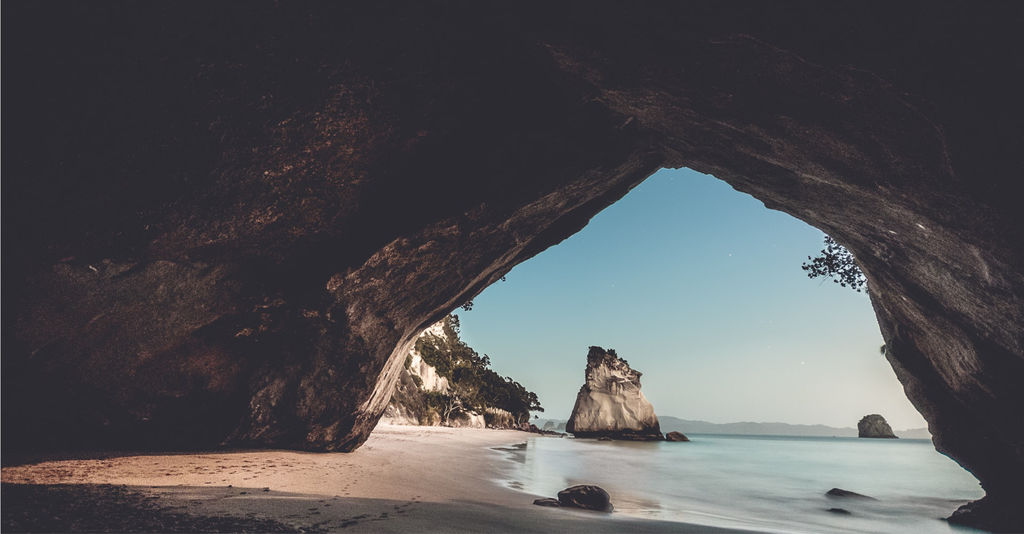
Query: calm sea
[764,483]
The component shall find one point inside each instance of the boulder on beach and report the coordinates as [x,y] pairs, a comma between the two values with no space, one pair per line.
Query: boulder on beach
[874,426]
[547,502]
[585,496]
[610,403]
[676,436]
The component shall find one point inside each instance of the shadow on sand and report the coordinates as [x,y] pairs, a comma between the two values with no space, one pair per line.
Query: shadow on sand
[109,508]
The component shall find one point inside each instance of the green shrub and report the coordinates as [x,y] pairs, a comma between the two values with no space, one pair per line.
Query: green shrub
[474,386]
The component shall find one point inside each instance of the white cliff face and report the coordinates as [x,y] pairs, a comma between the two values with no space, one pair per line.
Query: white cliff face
[419,377]
[401,412]
[610,403]
[429,378]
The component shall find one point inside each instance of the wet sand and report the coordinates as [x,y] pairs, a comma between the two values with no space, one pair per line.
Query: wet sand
[404,479]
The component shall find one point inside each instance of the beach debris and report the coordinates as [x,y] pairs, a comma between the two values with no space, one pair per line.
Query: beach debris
[547,502]
[837,492]
[585,496]
[676,436]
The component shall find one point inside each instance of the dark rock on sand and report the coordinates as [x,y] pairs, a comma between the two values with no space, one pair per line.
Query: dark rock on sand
[585,496]
[841,493]
[840,511]
[874,426]
[676,436]
[547,502]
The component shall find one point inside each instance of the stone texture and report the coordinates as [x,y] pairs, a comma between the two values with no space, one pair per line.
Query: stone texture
[676,436]
[610,403]
[408,405]
[547,502]
[841,493]
[228,225]
[587,497]
[874,426]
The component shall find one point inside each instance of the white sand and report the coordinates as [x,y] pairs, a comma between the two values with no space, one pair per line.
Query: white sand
[404,479]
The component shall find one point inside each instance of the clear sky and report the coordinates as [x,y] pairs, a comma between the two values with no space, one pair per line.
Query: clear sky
[699,287]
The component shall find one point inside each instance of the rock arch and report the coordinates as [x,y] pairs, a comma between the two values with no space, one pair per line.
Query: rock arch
[222,226]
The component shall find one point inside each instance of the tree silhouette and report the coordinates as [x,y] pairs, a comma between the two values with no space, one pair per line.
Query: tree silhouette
[837,263]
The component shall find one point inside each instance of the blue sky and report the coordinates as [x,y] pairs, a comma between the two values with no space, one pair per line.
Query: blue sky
[699,287]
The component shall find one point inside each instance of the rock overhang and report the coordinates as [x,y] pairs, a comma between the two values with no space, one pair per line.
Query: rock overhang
[260,228]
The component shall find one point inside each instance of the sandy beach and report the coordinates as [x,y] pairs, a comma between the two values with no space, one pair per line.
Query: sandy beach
[404,479]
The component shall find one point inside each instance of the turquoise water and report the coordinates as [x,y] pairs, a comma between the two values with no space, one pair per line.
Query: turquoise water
[764,483]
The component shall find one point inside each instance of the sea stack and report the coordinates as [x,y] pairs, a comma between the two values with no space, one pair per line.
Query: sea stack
[610,403]
[874,426]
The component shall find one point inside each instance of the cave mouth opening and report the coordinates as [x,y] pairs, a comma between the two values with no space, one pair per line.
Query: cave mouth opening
[698,285]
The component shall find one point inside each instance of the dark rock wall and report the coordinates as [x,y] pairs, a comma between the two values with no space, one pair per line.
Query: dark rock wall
[228,221]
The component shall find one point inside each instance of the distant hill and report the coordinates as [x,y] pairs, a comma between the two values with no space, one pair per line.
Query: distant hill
[687,426]
[914,433]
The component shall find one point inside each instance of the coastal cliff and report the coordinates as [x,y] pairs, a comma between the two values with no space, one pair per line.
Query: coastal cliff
[874,426]
[416,380]
[610,403]
[445,382]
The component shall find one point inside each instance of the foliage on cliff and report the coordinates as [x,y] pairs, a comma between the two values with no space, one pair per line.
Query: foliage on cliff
[474,385]
[837,263]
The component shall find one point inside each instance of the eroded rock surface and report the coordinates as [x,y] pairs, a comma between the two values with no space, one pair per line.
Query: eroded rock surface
[874,426]
[841,493]
[610,403]
[417,378]
[586,496]
[676,436]
[228,225]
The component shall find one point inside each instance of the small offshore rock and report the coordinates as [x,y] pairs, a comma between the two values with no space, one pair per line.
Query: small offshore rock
[837,492]
[840,511]
[547,502]
[874,426]
[585,496]
[676,436]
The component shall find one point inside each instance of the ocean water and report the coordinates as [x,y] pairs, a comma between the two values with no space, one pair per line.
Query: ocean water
[762,483]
